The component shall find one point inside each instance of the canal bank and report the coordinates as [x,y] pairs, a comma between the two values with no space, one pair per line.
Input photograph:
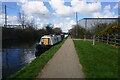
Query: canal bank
[32,69]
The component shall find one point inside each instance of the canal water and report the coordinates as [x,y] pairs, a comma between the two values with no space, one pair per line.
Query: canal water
[16,56]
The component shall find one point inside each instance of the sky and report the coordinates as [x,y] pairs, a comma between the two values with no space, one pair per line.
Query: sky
[60,13]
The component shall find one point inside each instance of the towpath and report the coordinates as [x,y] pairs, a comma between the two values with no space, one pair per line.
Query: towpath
[64,64]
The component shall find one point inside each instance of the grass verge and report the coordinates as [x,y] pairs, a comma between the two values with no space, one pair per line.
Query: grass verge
[31,70]
[98,61]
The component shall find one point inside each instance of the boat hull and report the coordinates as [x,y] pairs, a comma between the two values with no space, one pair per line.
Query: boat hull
[41,49]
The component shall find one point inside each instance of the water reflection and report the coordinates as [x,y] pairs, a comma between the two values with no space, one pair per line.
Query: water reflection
[15,57]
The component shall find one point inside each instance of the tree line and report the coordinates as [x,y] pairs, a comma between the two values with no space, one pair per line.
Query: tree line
[78,31]
[29,33]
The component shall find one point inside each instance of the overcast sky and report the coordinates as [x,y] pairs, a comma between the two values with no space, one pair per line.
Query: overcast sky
[58,12]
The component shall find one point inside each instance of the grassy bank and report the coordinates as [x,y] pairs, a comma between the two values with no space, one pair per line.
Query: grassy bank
[99,61]
[32,69]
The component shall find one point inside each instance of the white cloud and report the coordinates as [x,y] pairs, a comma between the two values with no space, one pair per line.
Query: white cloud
[106,13]
[13,20]
[107,7]
[60,8]
[56,21]
[39,25]
[65,26]
[85,8]
[29,18]
[35,8]
[35,11]
[76,6]
[72,22]
[22,2]
[38,19]
[115,7]
[67,18]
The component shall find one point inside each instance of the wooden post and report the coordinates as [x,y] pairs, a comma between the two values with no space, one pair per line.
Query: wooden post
[115,39]
[93,40]
[107,38]
[98,37]
[84,37]
[102,38]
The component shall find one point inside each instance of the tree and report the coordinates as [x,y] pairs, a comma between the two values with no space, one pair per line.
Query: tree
[77,32]
[57,30]
[22,19]
[112,28]
[49,28]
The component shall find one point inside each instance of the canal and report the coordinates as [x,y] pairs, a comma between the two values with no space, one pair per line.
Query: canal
[16,56]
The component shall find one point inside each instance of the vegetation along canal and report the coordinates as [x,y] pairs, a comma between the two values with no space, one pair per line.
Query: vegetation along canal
[16,56]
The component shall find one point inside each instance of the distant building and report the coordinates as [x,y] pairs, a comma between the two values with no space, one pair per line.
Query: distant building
[90,22]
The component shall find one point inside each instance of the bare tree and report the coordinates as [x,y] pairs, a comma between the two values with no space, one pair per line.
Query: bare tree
[22,19]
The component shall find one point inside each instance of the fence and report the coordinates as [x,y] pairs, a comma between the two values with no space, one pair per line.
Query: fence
[109,39]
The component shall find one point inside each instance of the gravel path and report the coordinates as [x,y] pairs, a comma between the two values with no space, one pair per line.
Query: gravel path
[64,64]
